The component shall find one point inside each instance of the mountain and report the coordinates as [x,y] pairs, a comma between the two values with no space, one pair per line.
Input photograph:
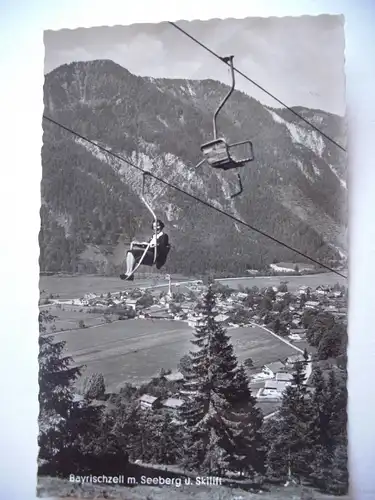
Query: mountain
[295,190]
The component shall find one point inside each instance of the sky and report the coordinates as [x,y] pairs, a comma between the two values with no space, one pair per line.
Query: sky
[301,60]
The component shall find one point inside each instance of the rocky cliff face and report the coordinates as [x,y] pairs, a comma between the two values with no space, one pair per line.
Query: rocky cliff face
[295,189]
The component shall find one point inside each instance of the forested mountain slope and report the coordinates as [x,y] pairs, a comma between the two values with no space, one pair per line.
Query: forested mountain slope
[295,189]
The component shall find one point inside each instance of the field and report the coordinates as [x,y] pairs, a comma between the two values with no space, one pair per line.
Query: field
[135,350]
[294,282]
[69,317]
[70,287]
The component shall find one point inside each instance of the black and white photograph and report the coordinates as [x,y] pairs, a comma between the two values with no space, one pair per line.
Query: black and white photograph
[194,261]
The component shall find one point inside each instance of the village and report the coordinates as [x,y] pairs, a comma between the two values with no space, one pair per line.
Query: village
[274,309]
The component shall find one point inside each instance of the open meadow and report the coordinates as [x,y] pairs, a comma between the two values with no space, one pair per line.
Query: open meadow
[135,350]
[72,287]
[69,318]
[294,282]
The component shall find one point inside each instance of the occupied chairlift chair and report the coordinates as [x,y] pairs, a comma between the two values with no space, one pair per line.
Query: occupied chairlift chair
[217,153]
[160,256]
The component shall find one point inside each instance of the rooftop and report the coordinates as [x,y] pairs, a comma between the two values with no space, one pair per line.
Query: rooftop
[147,398]
[284,377]
[276,385]
[173,377]
[275,367]
[295,358]
[173,402]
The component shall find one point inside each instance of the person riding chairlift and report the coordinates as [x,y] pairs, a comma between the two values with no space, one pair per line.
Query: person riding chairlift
[137,250]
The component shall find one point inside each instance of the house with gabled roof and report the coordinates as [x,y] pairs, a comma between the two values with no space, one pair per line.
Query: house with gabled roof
[284,377]
[175,377]
[172,405]
[272,368]
[148,402]
[294,359]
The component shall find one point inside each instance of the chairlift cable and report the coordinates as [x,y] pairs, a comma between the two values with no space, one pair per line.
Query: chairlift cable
[201,44]
[190,195]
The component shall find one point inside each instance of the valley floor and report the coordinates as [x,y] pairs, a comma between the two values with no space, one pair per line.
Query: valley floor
[134,351]
[70,287]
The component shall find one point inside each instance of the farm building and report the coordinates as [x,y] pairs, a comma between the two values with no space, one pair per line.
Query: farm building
[175,377]
[297,331]
[272,391]
[80,400]
[330,308]
[187,306]
[295,337]
[294,359]
[222,318]
[148,402]
[160,314]
[284,377]
[265,395]
[132,303]
[312,304]
[194,320]
[173,405]
[188,394]
[273,368]
[273,387]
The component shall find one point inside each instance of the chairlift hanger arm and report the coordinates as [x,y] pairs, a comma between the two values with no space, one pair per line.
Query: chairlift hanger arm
[227,60]
[144,198]
[240,187]
[152,213]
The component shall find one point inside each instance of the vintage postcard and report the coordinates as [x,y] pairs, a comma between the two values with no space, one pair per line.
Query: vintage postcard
[193,261]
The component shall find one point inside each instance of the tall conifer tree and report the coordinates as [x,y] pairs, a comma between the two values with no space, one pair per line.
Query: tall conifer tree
[219,413]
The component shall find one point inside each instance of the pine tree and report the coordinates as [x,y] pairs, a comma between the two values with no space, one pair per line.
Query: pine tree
[56,376]
[127,425]
[328,432]
[333,342]
[249,444]
[318,327]
[338,476]
[166,440]
[337,399]
[276,458]
[320,412]
[86,448]
[292,439]
[305,356]
[330,470]
[222,423]
[94,386]
[207,379]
